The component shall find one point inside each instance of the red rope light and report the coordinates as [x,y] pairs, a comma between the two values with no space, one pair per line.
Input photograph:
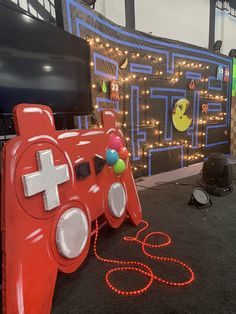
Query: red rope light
[141,267]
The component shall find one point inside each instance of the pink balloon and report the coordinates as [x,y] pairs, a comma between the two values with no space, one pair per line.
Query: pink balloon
[115,142]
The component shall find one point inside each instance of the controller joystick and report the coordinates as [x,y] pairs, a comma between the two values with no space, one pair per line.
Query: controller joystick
[60,182]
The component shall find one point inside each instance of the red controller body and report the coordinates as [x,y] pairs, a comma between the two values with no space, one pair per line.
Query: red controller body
[54,185]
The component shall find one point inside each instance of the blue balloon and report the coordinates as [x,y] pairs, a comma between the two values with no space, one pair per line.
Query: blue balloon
[111,157]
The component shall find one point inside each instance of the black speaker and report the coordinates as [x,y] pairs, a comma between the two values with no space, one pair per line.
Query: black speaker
[90,2]
[232,53]
[217,175]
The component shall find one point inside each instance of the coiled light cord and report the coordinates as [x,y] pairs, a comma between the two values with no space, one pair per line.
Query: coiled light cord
[141,267]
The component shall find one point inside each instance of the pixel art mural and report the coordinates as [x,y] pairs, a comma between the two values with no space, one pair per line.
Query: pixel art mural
[153,74]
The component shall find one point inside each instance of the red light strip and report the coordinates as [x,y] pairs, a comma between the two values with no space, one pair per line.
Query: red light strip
[141,267]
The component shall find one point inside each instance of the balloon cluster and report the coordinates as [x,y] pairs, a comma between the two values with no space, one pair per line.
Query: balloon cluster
[116,154]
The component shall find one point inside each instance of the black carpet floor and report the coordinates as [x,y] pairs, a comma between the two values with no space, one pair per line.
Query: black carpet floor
[204,239]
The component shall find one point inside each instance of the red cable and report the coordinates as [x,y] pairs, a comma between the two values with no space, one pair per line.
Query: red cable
[141,267]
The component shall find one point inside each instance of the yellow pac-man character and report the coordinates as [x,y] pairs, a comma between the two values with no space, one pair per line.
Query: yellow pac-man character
[180,120]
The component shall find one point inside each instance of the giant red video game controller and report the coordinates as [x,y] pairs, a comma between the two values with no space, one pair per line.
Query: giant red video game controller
[54,185]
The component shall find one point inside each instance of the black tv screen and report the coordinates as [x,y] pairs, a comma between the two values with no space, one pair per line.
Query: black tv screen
[42,64]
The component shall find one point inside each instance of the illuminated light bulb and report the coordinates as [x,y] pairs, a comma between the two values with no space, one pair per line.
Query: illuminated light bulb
[221,97]
[100,126]
[93,85]
[190,145]
[124,124]
[176,79]
[205,92]
[184,62]
[137,54]
[107,45]
[200,65]
[224,113]
[135,168]
[185,142]
[206,79]
[127,96]
[149,56]
[97,40]
[211,118]
[126,78]
[148,122]
[161,72]
[96,106]
[145,166]
[127,139]
[207,67]
[188,65]
[147,92]
[204,122]
[181,73]
[202,155]
[178,143]
[160,144]
[151,146]
[147,107]
[170,143]
[157,122]
[203,133]
[192,64]
[160,59]
[200,121]
[225,99]
[134,76]
[126,52]
[189,158]
[196,157]
[91,64]
[145,78]
[145,153]
[156,132]
[210,95]
[117,49]
[160,132]
[129,154]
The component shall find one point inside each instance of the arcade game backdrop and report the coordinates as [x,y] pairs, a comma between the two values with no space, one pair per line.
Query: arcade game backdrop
[173,99]
[233,112]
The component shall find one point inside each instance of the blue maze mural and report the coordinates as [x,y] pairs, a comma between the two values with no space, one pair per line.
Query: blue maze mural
[152,75]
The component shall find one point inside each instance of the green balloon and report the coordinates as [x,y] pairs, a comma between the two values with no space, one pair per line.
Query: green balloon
[104,87]
[119,166]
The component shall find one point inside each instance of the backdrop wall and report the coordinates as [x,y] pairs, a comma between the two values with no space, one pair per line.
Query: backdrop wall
[225,30]
[233,112]
[184,20]
[114,10]
[152,74]
[165,18]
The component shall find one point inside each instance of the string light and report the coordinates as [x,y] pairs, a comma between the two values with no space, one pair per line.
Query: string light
[151,124]
[133,266]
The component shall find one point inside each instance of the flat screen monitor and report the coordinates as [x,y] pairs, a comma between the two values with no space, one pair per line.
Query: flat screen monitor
[42,64]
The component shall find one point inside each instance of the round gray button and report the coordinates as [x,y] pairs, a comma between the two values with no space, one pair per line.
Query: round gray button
[117,199]
[72,233]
